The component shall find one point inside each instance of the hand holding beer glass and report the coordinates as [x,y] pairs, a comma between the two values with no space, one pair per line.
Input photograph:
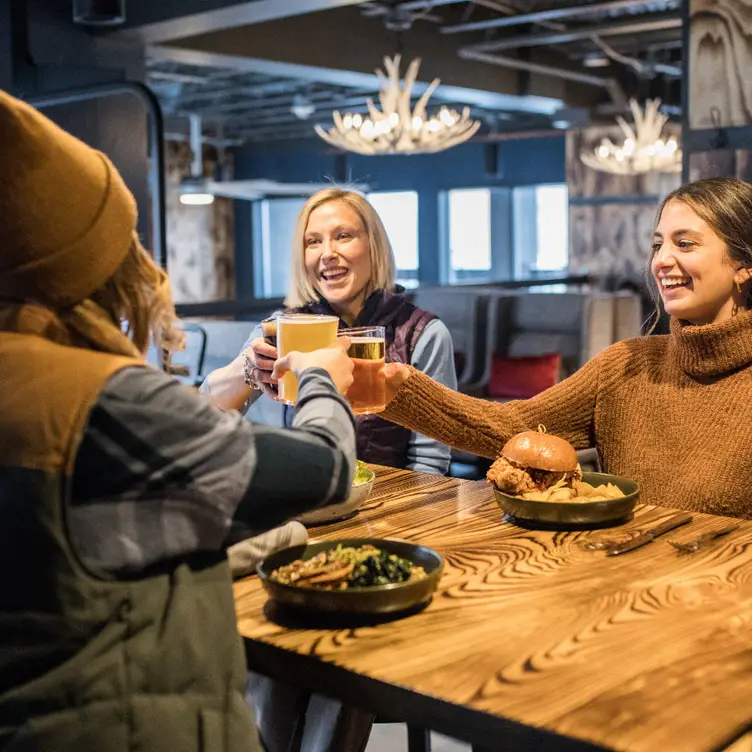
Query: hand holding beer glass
[303,333]
[367,350]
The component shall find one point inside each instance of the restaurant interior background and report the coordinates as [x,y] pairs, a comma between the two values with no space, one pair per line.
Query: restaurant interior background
[509,237]
[229,91]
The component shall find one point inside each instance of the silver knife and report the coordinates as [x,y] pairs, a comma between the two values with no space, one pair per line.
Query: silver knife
[648,536]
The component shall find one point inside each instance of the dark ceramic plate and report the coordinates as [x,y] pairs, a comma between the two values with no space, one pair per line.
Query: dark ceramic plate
[562,513]
[380,599]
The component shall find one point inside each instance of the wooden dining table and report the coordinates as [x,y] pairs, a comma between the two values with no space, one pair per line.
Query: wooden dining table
[531,641]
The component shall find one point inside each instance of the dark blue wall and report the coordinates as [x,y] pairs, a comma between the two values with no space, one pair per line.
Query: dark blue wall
[527,161]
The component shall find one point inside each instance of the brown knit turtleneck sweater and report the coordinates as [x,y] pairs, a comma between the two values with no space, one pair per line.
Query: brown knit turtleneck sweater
[672,412]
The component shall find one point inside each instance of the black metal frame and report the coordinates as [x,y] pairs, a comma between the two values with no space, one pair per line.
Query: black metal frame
[155,138]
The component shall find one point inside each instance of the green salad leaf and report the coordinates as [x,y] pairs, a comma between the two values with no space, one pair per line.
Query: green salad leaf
[362,474]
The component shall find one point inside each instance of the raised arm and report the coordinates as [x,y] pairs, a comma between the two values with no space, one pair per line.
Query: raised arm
[161,474]
[226,386]
[482,427]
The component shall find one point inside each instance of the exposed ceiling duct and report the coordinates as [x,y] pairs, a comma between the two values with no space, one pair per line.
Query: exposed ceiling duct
[610,84]
[554,14]
[99,12]
[658,22]
[636,43]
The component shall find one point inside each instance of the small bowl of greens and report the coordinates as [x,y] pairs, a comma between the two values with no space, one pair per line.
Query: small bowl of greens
[361,490]
[353,576]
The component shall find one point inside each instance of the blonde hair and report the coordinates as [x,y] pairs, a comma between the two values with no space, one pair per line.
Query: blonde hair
[139,295]
[302,289]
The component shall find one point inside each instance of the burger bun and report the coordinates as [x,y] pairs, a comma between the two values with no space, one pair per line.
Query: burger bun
[541,451]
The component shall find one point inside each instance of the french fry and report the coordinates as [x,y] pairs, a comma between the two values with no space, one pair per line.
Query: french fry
[580,492]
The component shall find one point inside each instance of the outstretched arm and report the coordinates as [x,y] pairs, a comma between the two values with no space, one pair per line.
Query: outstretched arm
[483,427]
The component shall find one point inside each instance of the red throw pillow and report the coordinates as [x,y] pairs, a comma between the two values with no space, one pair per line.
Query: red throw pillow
[520,378]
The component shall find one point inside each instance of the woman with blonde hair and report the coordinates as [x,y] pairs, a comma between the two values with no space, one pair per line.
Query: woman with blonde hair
[670,411]
[342,264]
[118,485]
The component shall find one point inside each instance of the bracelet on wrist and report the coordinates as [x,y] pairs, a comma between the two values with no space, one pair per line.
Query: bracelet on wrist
[249,372]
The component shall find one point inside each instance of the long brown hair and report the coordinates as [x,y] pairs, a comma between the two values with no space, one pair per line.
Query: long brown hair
[726,205]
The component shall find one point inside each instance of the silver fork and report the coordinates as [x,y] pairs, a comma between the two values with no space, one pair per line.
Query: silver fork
[696,543]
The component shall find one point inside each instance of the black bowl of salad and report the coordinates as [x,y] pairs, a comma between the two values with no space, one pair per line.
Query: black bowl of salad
[352,576]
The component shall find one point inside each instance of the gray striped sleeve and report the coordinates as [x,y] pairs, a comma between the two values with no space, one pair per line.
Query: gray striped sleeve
[161,474]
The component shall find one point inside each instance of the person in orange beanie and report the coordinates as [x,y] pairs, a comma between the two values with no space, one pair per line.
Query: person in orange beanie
[119,486]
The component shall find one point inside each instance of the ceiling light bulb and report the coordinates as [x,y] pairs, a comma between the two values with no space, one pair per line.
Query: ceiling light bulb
[394,119]
[417,123]
[357,120]
[196,199]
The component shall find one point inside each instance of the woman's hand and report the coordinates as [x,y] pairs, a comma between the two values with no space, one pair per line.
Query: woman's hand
[261,357]
[394,375]
[332,359]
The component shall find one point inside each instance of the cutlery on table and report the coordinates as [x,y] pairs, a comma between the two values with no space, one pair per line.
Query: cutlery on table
[640,539]
[648,536]
[695,544]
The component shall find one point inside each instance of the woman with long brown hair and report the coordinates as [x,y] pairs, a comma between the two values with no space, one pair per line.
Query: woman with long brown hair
[670,411]
[118,485]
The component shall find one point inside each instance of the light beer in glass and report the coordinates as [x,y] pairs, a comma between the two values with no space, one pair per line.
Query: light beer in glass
[367,350]
[303,332]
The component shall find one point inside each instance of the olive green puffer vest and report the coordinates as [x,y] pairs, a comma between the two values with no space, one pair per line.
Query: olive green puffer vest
[89,664]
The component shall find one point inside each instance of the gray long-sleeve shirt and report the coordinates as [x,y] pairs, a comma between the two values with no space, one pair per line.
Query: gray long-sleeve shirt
[160,473]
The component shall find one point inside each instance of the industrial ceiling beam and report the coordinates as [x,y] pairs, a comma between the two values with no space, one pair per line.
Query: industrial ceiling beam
[659,22]
[552,14]
[354,80]
[610,84]
[272,106]
[240,14]
[468,53]
[212,97]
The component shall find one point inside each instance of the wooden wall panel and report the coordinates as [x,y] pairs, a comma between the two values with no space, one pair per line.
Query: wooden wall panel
[611,216]
[611,240]
[200,239]
[716,164]
[720,55]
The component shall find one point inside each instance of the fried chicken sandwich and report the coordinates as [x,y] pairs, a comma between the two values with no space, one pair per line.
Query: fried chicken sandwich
[534,461]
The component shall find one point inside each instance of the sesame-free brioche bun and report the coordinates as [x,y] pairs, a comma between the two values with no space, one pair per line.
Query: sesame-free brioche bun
[541,451]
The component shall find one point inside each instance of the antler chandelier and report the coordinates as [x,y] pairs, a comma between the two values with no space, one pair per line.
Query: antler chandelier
[395,129]
[643,149]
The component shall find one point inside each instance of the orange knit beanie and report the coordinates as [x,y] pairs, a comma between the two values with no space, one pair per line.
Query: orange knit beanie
[66,217]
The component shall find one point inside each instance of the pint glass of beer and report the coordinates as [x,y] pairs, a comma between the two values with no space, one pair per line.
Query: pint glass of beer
[269,331]
[367,350]
[302,332]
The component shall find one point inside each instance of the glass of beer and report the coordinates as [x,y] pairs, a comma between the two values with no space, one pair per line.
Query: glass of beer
[269,331]
[303,332]
[367,350]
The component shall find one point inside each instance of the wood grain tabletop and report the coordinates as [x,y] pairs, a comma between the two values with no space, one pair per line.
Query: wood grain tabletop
[530,639]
